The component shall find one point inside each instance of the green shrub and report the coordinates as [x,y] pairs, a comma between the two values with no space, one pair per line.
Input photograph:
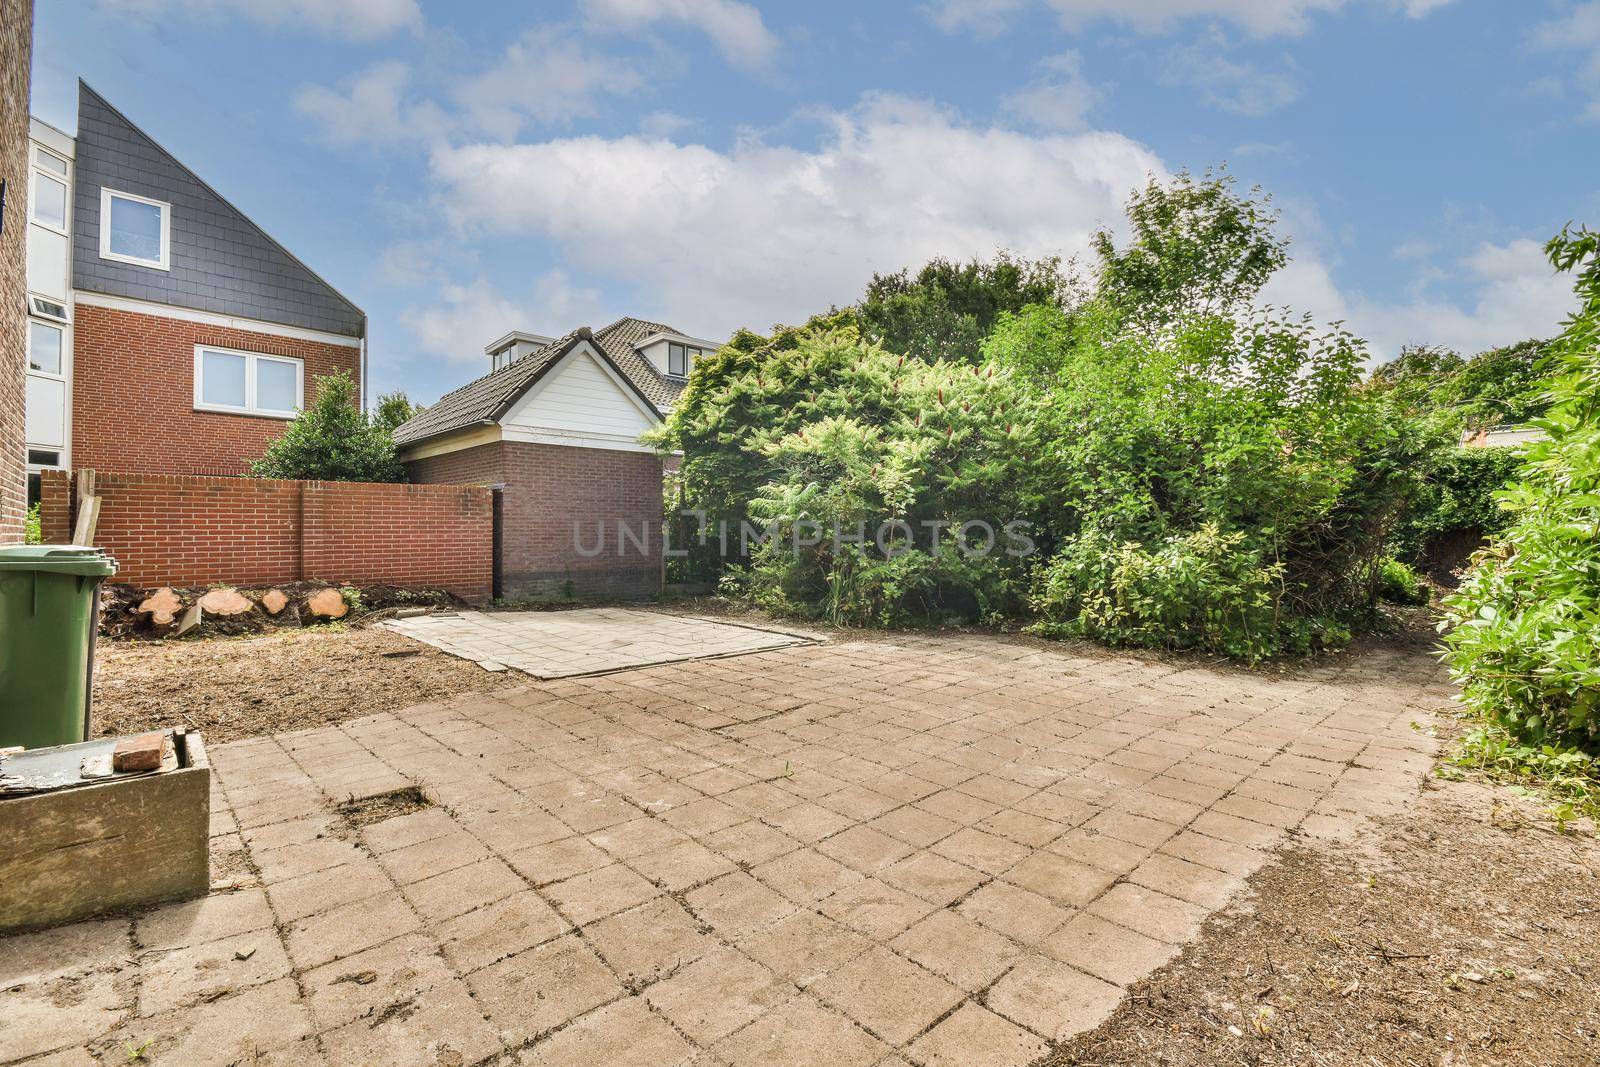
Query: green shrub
[1523,631]
[333,440]
[1203,590]
[1399,584]
[33,532]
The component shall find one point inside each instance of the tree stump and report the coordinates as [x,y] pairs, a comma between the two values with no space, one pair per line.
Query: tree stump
[161,608]
[327,604]
[225,603]
[275,601]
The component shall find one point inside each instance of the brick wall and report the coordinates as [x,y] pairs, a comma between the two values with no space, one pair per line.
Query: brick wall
[16,50]
[133,394]
[191,530]
[549,488]
[55,507]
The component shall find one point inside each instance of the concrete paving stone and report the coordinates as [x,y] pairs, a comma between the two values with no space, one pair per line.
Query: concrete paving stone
[1150,913]
[974,1035]
[864,849]
[63,1009]
[1237,831]
[194,973]
[958,949]
[1033,831]
[915,826]
[1052,999]
[649,942]
[80,946]
[363,985]
[704,817]
[544,987]
[806,875]
[556,861]
[637,837]
[1106,950]
[291,832]
[1259,811]
[1100,850]
[1208,888]
[681,866]
[1022,915]
[606,891]
[194,922]
[478,938]
[717,994]
[507,832]
[938,880]
[888,995]
[624,1034]
[986,852]
[437,855]
[801,1033]
[737,903]
[447,895]
[1063,880]
[324,890]
[348,929]
[859,802]
[804,947]
[1136,829]
[440,1026]
[233,1029]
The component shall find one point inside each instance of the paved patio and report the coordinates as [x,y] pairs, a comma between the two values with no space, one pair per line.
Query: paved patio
[941,851]
[584,641]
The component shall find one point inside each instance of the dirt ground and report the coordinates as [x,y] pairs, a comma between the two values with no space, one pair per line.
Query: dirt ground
[1465,933]
[233,687]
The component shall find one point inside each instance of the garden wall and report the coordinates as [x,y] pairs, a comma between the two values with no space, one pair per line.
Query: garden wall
[169,529]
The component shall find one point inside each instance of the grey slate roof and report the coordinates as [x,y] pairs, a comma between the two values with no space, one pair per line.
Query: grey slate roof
[490,397]
[220,260]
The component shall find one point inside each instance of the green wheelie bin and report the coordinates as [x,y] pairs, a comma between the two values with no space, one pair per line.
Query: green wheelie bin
[49,613]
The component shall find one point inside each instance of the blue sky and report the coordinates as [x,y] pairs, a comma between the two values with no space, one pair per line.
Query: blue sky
[460,170]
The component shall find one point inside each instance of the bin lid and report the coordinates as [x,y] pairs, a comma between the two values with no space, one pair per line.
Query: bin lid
[57,559]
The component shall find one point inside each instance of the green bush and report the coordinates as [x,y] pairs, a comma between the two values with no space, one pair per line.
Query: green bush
[1399,584]
[1523,631]
[33,532]
[333,440]
[1458,497]
[1202,590]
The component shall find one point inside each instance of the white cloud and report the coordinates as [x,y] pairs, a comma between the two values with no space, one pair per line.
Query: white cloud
[1578,30]
[353,19]
[735,28]
[1060,99]
[666,125]
[371,108]
[1260,18]
[1510,293]
[1224,83]
[762,233]
[982,18]
[546,77]
[471,314]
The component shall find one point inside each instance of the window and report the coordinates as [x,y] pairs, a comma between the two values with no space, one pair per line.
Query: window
[44,348]
[49,202]
[247,383]
[680,358]
[42,457]
[134,229]
[46,308]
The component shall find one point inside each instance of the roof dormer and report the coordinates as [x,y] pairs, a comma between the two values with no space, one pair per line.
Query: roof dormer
[504,351]
[674,354]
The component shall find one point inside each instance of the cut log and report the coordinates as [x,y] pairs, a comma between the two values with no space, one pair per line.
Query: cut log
[275,601]
[225,603]
[140,753]
[327,604]
[160,608]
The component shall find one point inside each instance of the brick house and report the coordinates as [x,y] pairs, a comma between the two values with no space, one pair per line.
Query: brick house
[167,332]
[555,424]
[16,49]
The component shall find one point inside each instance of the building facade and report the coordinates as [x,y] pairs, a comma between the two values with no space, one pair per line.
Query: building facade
[16,52]
[167,332]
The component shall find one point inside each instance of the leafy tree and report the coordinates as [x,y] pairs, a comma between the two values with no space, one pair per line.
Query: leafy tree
[395,410]
[1523,634]
[1501,385]
[945,310]
[1198,248]
[333,440]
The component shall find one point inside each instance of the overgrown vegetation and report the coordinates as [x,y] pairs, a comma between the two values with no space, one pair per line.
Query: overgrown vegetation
[1194,471]
[33,528]
[333,440]
[1523,631]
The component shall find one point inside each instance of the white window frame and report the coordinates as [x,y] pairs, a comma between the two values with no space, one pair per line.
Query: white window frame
[251,359]
[59,375]
[62,179]
[691,355]
[165,261]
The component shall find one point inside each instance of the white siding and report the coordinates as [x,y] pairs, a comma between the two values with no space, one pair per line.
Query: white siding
[580,399]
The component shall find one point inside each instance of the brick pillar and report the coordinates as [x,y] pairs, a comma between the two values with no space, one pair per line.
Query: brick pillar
[55,507]
[16,56]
